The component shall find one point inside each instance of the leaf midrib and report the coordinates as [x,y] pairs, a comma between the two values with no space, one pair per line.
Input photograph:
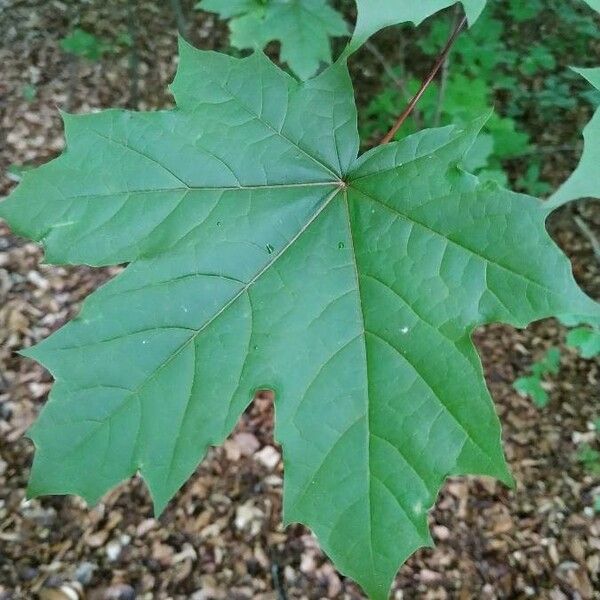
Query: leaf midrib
[369,435]
[186,189]
[366,362]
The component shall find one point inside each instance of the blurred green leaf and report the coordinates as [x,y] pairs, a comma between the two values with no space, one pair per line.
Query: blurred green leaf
[590,458]
[29,92]
[531,387]
[549,364]
[303,27]
[586,340]
[85,45]
[524,10]
[584,182]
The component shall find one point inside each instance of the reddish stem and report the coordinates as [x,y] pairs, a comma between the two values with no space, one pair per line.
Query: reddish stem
[426,82]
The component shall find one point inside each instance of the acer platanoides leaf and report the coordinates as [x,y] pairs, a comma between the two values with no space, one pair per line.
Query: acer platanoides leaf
[303,27]
[584,182]
[586,340]
[264,254]
[374,15]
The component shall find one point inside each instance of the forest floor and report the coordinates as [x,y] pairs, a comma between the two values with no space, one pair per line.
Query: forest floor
[221,537]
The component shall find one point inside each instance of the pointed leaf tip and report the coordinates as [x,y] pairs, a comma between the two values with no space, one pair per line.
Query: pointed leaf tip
[584,182]
[374,15]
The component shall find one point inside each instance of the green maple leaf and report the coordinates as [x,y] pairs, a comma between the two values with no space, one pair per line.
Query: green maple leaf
[374,15]
[264,254]
[584,182]
[303,28]
[586,340]
[531,387]
[81,43]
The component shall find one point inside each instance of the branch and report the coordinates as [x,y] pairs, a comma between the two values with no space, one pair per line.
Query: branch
[444,76]
[398,81]
[179,17]
[134,58]
[277,583]
[589,234]
[426,82]
[73,67]
[441,93]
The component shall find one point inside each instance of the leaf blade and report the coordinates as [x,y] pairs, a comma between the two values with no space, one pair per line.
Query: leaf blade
[374,15]
[379,390]
[303,28]
[583,182]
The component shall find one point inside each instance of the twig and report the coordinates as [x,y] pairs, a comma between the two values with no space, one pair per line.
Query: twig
[444,76]
[399,82]
[441,93]
[73,67]
[179,17]
[134,59]
[589,234]
[277,583]
[426,82]
[549,149]
[73,82]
